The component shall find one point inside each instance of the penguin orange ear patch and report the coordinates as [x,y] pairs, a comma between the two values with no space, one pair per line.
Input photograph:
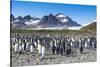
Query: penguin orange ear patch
[52,33]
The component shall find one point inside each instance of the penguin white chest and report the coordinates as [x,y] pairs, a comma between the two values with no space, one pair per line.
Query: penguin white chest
[27,45]
[31,48]
[20,48]
[71,44]
[43,50]
[85,44]
[39,48]
[16,47]
[35,44]
[23,46]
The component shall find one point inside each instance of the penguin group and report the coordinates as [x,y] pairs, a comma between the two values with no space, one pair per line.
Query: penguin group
[58,45]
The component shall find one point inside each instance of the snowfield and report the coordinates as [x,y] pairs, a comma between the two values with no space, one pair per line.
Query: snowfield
[55,28]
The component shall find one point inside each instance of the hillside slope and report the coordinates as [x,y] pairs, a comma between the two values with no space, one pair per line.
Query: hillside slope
[91,27]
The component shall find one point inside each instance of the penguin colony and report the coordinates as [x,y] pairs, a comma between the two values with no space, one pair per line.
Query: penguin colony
[56,44]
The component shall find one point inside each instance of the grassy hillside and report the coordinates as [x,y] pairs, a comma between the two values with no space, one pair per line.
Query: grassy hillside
[90,28]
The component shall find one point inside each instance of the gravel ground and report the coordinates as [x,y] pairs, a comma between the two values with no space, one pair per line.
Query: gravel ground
[29,59]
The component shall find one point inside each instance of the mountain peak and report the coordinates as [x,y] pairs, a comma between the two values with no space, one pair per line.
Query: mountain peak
[50,14]
[60,15]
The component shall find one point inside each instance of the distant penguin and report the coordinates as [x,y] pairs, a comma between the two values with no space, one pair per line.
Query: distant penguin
[58,47]
[88,41]
[95,43]
[20,49]
[39,47]
[68,51]
[32,42]
[86,45]
[27,45]
[79,43]
[81,49]
[51,44]
[31,48]
[23,47]
[16,48]
[61,47]
[71,43]
[35,44]
[42,52]
[53,48]
[20,41]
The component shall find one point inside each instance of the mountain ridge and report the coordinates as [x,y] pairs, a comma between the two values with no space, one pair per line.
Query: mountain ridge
[58,20]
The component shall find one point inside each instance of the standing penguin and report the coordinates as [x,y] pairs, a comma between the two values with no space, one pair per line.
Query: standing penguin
[58,47]
[88,41]
[27,45]
[42,52]
[68,51]
[32,42]
[95,43]
[81,49]
[41,49]
[51,44]
[31,48]
[63,43]
[85,45]
[61,47]
[53,47]
[16,48]
[23,47]
[20,49]
[35,43]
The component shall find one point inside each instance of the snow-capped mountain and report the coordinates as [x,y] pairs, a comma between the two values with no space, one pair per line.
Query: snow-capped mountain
[31,20]
[23,22]
[58,20]
[62,18]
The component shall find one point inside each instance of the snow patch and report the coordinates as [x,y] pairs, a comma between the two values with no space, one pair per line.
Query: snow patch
[64,20]
[31,22]
[60,15]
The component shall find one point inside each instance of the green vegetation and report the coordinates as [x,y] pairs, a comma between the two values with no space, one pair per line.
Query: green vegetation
[49,31]
[40,31]
[89,28]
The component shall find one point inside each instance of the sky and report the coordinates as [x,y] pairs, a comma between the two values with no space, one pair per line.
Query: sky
[82,14]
